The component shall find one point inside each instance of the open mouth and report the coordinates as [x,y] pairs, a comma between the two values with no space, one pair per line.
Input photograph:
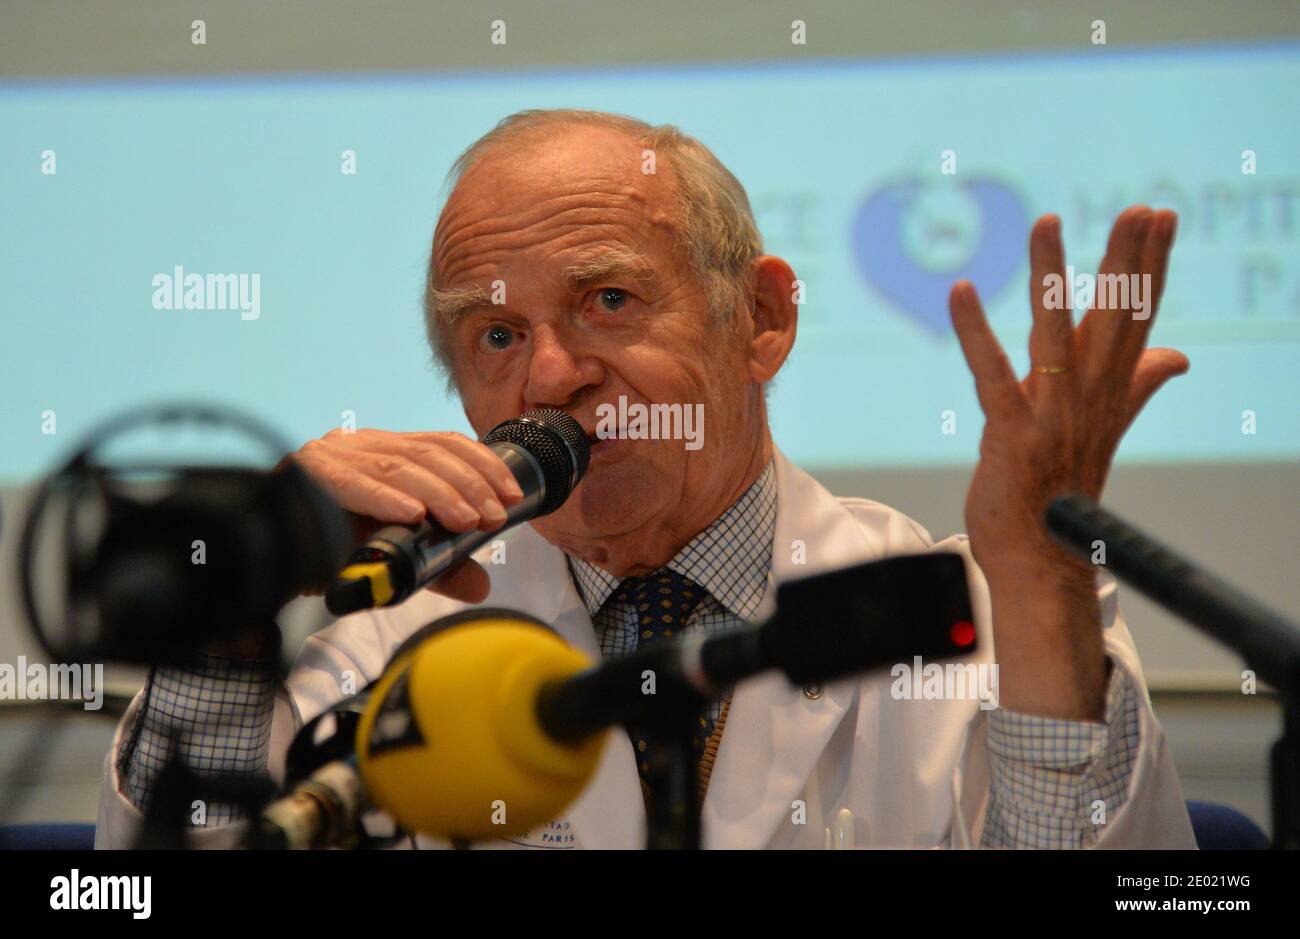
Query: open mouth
[601,444]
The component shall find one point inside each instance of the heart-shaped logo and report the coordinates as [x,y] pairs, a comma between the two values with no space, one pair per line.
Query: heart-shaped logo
[912,241]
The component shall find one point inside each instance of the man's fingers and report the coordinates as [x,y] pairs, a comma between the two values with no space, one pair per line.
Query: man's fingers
[465,580]
[1153,267]
[401,477]
[481,457]
[474,489]
[995,382]
[1109,324]
[441,498]
[1051,339]
[1155,368]
[389,488]
[359,493]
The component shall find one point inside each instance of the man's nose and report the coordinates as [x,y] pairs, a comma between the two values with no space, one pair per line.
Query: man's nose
[559,370]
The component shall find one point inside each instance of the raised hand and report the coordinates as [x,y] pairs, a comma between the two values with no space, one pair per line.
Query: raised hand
[1057,430]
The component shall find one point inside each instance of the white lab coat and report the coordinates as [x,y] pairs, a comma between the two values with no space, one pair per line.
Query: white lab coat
[911,773]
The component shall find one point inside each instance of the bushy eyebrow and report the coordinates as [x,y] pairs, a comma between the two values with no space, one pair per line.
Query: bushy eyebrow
[453,303]
[609,264]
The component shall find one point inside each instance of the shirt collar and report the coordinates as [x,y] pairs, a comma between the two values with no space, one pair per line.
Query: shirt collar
[730,559]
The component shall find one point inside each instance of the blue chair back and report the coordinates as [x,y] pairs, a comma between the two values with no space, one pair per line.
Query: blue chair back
[1222,828]
[48,836]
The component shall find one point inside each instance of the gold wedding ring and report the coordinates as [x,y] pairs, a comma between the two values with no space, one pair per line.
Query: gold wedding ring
[1050,369]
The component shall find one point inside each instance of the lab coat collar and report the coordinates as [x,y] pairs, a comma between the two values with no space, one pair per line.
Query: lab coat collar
[775,732]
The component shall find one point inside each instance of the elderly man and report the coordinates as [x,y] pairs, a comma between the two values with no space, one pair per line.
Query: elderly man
[582,258]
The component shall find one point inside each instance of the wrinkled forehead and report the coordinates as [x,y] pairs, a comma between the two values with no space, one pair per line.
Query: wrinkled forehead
[547,176]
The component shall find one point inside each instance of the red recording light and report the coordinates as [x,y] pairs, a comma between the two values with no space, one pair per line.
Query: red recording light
[963,633]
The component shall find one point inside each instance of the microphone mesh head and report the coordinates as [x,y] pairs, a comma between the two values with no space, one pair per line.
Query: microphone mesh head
[558,444]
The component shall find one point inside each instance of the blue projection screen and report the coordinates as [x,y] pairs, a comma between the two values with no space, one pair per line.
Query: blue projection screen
[108,186]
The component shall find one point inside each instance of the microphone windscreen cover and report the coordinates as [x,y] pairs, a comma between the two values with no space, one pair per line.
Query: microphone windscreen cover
[449,744]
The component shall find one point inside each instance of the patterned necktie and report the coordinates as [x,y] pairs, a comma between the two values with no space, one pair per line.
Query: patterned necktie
[663,602]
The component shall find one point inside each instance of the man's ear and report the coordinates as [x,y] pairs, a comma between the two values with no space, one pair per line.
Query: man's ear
[775,314]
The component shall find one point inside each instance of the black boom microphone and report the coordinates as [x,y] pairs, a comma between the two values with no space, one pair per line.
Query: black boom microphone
[826,626]
[1268,641]
[546,450]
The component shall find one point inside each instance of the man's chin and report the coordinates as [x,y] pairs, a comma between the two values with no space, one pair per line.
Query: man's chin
[613,499]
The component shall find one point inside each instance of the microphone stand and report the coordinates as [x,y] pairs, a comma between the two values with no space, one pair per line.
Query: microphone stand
[1284,765]
[673,809]
[165,825]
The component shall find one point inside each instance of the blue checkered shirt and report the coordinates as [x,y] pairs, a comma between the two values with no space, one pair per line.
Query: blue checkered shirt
[1055,783]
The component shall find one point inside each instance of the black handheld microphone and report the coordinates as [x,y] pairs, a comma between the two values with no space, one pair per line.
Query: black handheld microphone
[545,449]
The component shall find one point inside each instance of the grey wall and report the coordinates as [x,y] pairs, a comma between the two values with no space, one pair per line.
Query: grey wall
[59,38]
